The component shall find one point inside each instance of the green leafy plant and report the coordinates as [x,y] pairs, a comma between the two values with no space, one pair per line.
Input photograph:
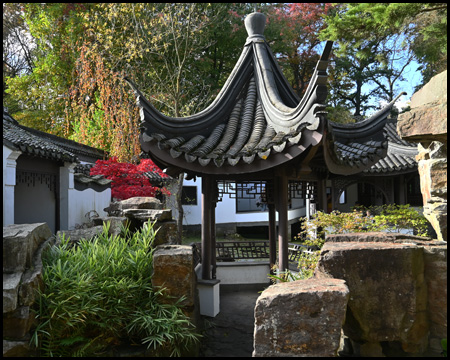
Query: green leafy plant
[306,265]
[393,218]
[390,218]
[98,294]
[444,347]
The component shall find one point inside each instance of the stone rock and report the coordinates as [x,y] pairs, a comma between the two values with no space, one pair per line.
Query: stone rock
[141,202]
[433,175]
[436,214]
[173,269]
[300,318]
[436,277]
[17,349]
[426,123]
[378,237]
[114,209]
[17,323]
[434,90]
[167,233]
[371,350]
[148,214]
[423,124]
[78,234]
[427,119]
[20,241]
[11,284]
[32,278]
[116,223]
[388,293]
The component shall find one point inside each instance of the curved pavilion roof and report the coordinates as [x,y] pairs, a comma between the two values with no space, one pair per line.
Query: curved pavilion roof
[257,123]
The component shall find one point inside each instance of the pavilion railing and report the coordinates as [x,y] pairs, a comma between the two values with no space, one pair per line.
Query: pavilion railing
[237,250]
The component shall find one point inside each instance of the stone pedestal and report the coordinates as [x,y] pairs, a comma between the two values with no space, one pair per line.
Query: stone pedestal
[209,297]
[300,318]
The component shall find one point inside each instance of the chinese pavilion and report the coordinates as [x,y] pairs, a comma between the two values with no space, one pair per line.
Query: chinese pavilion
[258,130]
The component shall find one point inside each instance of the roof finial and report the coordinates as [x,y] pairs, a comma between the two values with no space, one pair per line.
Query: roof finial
[254,24]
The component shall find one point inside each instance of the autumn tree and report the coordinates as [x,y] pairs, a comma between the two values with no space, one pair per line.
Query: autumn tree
[56,29]
[18,46]
[292,33]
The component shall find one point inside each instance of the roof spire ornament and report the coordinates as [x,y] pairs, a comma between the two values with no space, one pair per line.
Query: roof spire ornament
[255,24]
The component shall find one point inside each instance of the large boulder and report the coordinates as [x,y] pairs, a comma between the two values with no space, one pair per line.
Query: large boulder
[426,124]
[388,292]
[20,242]
[436,277]
[22,278]
[300,318]
[173,271]
[78,234]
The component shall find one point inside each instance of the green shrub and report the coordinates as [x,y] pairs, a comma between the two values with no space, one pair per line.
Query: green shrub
[391,218]
[394,217]
[98,294]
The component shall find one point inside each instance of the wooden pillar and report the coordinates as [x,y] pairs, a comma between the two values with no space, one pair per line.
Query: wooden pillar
[281,191]
[206,227]
[213,228]
[272,236]
[321,201]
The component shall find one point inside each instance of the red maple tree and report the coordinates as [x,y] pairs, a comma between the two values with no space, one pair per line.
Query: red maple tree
[129,180]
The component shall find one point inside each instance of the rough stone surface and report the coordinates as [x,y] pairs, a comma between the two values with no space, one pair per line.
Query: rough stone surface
[16,348]
[300,318]
[378,237]
[148,214]
[78,234]
[388,293]
[10,291]
[20,286]
[116,223]
[19,244]
[436,278]
[17,323]
[167,233]
[173,268]
[141,202]
[426,123]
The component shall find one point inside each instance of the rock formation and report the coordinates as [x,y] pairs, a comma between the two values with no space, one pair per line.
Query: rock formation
[22,277]
[426,124]
[300,318]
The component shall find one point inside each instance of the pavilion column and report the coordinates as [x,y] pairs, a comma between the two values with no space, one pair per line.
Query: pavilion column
[213,227]
[281,191]
[272,236]
[322,195]
[207,196]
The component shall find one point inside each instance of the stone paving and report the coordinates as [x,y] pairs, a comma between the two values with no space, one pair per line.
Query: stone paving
[230,333]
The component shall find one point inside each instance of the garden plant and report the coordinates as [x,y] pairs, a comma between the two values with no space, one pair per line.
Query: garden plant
[98,294]
[389,218]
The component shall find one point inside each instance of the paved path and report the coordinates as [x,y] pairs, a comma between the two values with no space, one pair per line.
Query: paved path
[230,333]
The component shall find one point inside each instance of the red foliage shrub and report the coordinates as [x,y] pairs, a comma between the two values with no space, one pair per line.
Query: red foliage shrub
[128,180]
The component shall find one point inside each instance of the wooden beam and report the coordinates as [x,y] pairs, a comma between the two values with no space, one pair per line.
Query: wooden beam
[206,227]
